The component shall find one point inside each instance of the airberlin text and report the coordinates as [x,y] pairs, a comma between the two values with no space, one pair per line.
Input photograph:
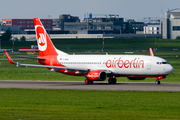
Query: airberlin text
[115,63]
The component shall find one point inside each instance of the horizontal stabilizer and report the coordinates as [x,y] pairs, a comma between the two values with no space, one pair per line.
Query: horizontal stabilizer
[9,58]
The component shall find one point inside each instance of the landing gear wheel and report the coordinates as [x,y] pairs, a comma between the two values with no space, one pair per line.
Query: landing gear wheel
[90,82]
[158,82]
[112,80]
[86,81]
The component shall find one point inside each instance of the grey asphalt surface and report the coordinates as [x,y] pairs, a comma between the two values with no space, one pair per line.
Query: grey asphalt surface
[122,86]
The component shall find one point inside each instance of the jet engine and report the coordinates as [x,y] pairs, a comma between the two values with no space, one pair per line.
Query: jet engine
[136,78]
[96,75]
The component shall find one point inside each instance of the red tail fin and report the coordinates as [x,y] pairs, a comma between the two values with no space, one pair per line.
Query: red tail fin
[45,44]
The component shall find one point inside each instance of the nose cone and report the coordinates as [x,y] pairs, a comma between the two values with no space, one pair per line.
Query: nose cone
[169,69]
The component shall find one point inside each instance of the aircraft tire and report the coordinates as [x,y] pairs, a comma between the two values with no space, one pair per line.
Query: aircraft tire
[110,81]
[114,81]
[158,82]
[90,82]
[86,81]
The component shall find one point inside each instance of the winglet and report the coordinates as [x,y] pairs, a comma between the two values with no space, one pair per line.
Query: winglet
[151,52]
[8,57]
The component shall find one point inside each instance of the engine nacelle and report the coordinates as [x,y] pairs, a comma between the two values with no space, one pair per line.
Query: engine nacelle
[96,75]
[136,78]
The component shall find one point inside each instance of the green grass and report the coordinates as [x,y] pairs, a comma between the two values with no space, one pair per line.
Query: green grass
[111,44]
[75,104]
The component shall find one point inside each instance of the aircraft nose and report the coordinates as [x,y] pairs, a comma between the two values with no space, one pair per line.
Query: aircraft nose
[170,69]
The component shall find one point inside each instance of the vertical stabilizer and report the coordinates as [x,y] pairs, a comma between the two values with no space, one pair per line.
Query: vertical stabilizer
[45,44]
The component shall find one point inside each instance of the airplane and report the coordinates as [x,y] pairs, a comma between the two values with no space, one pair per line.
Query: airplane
[96,67]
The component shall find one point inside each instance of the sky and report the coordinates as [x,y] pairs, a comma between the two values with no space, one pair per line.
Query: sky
[130,9]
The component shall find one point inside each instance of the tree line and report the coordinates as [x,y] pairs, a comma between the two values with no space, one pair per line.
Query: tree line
[6,36]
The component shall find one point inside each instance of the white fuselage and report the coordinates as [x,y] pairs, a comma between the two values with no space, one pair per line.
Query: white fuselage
[123,65]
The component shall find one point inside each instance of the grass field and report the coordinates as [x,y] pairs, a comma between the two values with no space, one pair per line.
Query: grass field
[111,44]
[25,104]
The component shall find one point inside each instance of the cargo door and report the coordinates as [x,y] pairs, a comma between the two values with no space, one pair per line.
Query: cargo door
[149,64]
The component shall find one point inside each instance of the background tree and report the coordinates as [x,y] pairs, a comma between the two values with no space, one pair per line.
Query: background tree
[6,36]
[16,39]
[177,38]
[22,38]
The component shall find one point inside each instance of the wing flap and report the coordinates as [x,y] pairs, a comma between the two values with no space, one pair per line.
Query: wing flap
[29,57]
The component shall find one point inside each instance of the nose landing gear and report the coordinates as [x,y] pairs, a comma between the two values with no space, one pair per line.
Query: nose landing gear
[159,78]
[158,82]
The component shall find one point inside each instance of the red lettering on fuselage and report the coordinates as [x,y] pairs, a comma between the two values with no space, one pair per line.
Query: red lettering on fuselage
[108,64]
[120,63]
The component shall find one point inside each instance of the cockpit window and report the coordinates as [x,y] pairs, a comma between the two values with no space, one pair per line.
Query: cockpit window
[165,63]
[159,63]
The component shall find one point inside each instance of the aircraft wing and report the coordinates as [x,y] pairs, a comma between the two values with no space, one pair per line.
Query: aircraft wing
[34,65]
[47,66]
[29,57]
[59,68]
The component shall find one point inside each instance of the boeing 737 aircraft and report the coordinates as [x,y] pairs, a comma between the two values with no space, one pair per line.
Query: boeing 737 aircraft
[96,67]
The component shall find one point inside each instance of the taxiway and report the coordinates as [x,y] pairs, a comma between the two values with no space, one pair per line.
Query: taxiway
[123,86]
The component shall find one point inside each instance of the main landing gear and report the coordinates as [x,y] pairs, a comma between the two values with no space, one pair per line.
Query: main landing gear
[88,81]
[158,82]
[112,80]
